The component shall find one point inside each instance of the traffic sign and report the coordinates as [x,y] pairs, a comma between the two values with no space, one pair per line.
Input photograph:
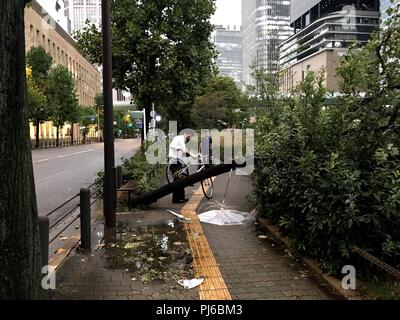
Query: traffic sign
[137,114]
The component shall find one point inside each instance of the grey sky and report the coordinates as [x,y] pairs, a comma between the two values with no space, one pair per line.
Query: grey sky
[229,12]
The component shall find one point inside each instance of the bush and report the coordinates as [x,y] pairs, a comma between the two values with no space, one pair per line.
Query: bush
[140,175]
[329,176]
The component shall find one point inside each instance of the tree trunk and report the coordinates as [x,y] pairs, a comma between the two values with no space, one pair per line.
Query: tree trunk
[19,250]
[58,136]
[37,132]
[185,182]
[72,134]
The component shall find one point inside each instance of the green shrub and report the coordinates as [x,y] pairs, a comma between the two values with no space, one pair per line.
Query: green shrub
[140,175]
[329,175]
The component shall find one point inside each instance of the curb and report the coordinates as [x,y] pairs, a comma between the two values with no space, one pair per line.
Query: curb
[333,283]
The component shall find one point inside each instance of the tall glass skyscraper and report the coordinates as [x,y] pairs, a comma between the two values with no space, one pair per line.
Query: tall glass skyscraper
[266,24]
[228,42]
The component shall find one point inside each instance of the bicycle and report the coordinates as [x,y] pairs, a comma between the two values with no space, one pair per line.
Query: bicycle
[206,185]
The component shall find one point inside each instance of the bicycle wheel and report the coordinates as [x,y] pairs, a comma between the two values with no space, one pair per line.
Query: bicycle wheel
[208,188]
[168,173]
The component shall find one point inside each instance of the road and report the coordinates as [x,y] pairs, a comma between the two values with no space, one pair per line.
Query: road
[61,172]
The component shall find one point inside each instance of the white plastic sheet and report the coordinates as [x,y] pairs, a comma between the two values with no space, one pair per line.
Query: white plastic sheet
[224,217]
[190,284]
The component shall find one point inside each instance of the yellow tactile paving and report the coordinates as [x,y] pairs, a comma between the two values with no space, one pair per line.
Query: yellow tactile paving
[59,258]
[205,265]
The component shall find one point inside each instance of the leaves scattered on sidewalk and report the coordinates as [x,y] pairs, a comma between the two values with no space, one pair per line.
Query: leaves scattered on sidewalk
[151,253]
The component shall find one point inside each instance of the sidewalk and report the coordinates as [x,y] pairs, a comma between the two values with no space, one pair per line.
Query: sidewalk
[235,262]
[252,267]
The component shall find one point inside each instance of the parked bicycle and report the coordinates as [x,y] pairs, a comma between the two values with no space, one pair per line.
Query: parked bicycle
[206,185]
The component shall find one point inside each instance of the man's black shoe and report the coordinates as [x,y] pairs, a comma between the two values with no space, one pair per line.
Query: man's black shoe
[181,201]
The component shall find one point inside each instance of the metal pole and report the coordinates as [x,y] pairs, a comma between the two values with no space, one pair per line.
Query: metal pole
[113,219]
[44,239]
[109,157]
[119,176]
[153,120]
[86,236]
[144,125]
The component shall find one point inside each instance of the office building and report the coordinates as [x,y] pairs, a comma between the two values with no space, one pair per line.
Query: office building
[228,43]
[323,32]
[47,33]
[265,25]
[80,11]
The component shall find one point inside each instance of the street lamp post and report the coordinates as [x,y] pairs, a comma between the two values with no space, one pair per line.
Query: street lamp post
[109,157]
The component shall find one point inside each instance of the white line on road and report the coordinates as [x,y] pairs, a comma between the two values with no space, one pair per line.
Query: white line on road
[54,175]
[63,156]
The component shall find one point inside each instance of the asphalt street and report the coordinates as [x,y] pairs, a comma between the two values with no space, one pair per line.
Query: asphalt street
[61,172]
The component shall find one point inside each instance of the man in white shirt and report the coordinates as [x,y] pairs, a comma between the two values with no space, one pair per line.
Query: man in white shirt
[177,152]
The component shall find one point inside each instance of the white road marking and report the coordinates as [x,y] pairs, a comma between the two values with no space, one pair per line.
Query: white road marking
[63,156]
[54,175]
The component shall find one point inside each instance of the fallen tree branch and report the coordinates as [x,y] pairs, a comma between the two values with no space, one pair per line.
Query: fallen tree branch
[183,183]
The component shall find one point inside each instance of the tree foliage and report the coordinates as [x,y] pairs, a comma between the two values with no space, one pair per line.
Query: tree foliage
[220,105]
[161,51]
[62,97]
[39,63]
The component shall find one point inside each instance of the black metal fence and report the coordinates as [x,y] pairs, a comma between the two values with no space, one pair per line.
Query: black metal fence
[46,144]
[65,215]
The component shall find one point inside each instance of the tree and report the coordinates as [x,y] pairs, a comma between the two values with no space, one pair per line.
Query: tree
[39,63]
[161,52]
[266,87]
[62,97]
[19,250]
[38,107]
[209,110]
[87,117]
[220,105]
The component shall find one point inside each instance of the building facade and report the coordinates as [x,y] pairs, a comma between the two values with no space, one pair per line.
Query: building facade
[228,42]
[266,24]
[79,11]
[323,32]
[41,30]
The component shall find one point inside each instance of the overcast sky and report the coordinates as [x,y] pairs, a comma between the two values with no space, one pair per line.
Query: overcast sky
[229,12]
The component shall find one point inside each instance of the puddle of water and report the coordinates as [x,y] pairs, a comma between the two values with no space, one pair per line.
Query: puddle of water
[148,253]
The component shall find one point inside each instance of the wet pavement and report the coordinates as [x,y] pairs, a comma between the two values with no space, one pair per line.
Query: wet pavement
[143,259]
[149,252]
[252,265]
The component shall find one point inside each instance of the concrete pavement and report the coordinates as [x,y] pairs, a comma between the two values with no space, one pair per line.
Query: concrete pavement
[248,266]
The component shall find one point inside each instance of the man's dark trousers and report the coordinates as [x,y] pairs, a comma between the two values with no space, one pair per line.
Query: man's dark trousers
[178,194]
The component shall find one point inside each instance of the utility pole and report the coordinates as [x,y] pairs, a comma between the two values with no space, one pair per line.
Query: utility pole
[109,157]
